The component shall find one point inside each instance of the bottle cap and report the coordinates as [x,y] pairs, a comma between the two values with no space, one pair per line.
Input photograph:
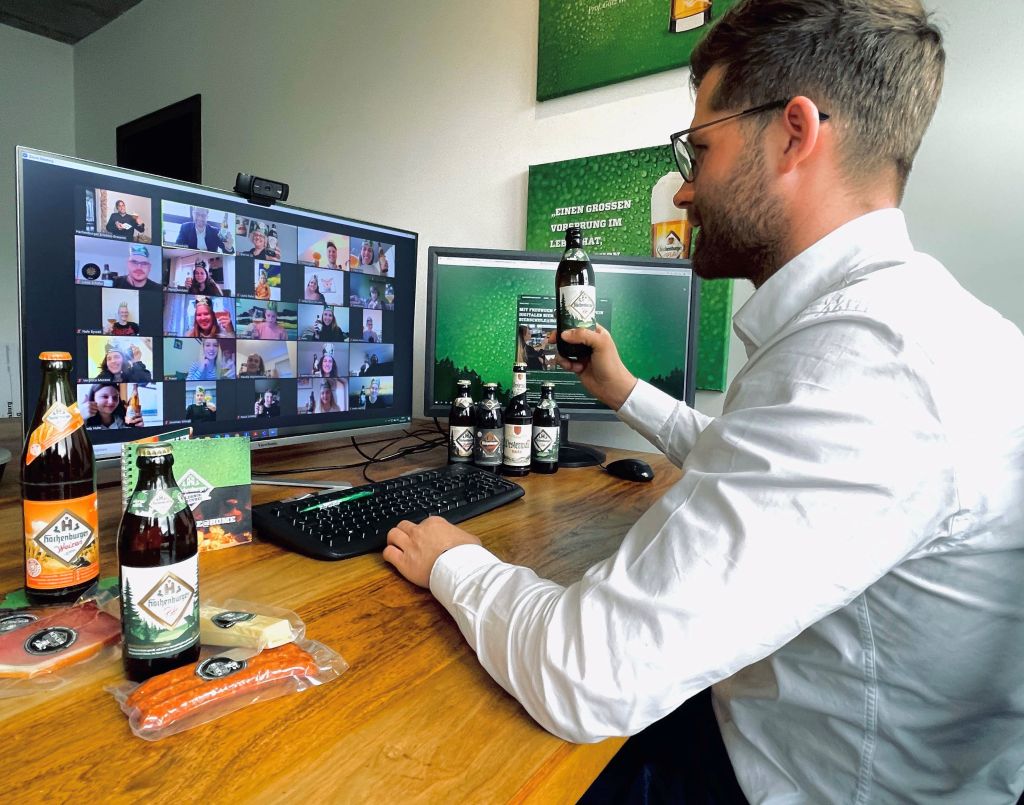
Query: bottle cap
[55,356]
[547,384]
[461,383]
[154,450]
[518,367]
[490,385]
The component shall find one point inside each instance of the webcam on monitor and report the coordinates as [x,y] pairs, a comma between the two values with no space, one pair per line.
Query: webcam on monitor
[260,191]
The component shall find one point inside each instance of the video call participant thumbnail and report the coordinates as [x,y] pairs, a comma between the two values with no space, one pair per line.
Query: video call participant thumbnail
[103,406]
[320,324]
[372,323]
[138,269]
[369,393]
[323,395]
[271,359]
[123,224]
[197,233]
[202,405]
[121,360]
[211,364]
[122,324]
[323,360]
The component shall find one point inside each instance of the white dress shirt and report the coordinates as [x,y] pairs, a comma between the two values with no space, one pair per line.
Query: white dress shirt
[843,557]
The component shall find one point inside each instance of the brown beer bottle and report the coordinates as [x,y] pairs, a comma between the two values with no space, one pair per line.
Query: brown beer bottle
[460,425]
[518,420]
[546,431]
[58,492]
[575,295]
[157,551]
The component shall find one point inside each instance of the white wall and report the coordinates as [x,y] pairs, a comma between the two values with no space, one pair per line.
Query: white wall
[36,109]
[423,116]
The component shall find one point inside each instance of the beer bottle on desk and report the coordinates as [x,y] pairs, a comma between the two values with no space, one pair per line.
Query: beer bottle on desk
[157,550]
[460,425]
[545,431]
[518,427]
[490,433]
[58,492]
[575,295]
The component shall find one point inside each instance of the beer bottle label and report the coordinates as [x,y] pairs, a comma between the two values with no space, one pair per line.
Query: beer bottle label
[464,402]
[153,503]
[517,445]
[577,307]
[61,542]
[160,609]
[545,443]
[490,404]
[488,451]
[58,422]
[460,442]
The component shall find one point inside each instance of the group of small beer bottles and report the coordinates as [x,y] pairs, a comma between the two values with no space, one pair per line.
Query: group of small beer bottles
[157,545]
[512,443]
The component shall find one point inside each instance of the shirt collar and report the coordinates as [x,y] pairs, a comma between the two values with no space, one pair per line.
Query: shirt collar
[821,267]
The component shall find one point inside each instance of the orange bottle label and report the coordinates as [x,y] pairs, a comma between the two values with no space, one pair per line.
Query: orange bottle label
[61,542]
[59,421]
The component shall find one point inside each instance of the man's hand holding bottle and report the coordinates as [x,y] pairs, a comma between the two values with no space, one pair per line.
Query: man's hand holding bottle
[603,374]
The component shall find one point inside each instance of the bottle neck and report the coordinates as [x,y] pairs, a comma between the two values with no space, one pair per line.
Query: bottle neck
[156,474]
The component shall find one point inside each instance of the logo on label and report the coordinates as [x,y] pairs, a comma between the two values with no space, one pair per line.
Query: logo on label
[225,620]
[464,441]
[58,416]
[219,667]
[65,538]
[161,502]
[489,443]
[542,441]
[195,488]
[169,601]
[12,622]
[582,307]
[49,641]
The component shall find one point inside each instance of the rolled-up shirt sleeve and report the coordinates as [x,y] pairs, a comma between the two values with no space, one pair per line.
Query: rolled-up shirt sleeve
[786,511]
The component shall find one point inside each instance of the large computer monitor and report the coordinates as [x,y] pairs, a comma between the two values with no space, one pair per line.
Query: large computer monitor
[211,312]
[487,310]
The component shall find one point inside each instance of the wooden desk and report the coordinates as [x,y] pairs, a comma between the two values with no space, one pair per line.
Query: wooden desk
[415,718]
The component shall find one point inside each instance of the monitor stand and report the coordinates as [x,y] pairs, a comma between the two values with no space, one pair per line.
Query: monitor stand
[575,455]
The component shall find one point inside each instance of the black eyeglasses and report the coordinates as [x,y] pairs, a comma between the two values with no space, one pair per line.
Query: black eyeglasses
[686,157]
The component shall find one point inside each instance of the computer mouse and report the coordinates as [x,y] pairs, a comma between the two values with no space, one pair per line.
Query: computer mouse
[631,469]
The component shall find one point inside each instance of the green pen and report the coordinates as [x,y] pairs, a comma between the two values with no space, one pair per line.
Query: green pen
[330,504]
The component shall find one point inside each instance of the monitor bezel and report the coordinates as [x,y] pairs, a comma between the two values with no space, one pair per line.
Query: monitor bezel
[391,425]
[605,414]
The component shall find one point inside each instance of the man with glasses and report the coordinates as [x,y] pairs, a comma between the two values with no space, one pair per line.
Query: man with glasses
[137,277]
[842,557]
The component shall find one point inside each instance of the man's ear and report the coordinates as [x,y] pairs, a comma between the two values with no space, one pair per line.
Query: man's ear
[798,138]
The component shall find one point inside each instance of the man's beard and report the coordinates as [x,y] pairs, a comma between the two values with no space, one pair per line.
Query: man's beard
[741,228]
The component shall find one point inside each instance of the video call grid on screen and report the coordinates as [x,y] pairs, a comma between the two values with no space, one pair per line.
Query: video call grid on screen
[183,305]
[651,307]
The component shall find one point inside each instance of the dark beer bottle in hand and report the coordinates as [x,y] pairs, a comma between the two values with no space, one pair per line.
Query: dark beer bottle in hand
[157,550]
[460,425]
[575,295]
[58,493]
[490,433]
[545,431]
[518,427]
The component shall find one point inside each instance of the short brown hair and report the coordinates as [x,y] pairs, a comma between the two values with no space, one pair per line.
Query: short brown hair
[874,65]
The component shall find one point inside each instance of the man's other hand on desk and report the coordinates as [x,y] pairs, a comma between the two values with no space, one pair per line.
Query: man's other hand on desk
[413,549]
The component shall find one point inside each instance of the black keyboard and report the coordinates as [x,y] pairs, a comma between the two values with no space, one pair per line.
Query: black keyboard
[348,522]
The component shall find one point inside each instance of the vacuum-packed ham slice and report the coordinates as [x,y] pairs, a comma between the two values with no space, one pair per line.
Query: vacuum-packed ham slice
[55,641]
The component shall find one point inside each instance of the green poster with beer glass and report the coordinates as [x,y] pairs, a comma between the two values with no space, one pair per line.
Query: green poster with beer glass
[623,204]
[584,44]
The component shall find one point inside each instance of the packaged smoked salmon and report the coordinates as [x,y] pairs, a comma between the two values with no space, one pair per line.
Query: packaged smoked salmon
[41,649]
[223,682]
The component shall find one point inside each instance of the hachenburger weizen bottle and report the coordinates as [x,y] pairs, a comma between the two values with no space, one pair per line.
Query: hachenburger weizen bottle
[490,431]
[157,550]
[575,295]
[518,427]
[546,431]
[460,425]
[58,492]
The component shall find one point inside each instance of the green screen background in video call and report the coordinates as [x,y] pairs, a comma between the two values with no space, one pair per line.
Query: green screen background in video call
[475,323]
